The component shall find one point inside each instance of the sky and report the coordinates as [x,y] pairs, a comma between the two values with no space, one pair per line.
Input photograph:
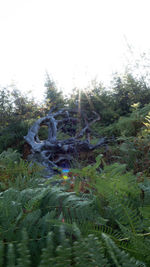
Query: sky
[75,41]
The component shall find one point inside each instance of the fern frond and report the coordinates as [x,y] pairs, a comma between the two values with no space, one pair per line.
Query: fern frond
[11,256]
[63,251]
[120,258]
[1,253]
[47,257]
[128,216]
[89,252]
[24,254]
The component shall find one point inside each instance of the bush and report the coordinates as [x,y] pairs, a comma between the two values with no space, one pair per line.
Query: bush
[16,173]
[49,225]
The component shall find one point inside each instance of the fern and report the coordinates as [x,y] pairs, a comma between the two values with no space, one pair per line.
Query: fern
[112,207]
[11,256]
[47,256]
[89,252]
[63,251]
[16,173]
[1,253]
[119,258]
[24,255]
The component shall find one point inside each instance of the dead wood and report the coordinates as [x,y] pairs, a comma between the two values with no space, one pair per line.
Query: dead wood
[53,153]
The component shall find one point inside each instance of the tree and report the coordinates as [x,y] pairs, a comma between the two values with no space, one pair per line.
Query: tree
[94,98]
[16,112]
[128,90]
[6,106]
[53,97]
[24,108]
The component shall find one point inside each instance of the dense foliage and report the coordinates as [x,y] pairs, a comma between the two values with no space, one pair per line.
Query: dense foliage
[100,215]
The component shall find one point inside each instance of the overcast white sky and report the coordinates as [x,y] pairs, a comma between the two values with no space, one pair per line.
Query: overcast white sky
[74,40]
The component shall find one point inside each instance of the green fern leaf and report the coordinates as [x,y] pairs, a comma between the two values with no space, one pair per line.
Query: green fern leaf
[120,258]
[11,256]
[24,255]
[47,257]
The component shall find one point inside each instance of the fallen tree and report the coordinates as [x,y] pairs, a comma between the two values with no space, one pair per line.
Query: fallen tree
[52,152]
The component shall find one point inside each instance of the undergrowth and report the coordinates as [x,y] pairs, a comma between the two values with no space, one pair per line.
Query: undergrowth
[99,216]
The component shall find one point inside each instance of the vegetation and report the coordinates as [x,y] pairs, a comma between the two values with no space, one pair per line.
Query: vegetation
[100,215]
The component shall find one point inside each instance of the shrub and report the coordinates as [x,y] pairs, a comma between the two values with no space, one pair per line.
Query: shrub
[15,172]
